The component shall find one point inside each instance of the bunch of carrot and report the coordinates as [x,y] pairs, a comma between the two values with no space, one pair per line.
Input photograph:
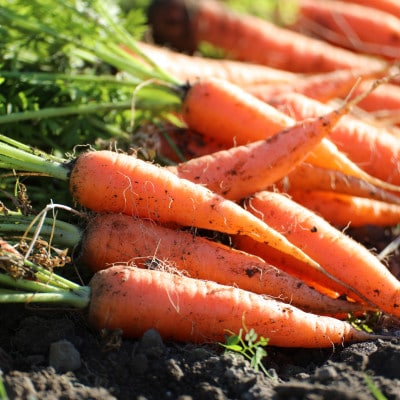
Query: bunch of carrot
[194,288]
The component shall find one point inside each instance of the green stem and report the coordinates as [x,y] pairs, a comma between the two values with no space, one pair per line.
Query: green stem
[76,300]
[52,112]
[20,160]
[48,287]
[106,49]
[62,233]
[112,130]
[54,77]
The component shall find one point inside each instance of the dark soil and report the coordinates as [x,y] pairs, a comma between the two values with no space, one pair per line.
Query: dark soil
[53,354]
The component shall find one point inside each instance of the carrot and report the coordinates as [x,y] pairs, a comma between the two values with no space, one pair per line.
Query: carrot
[245,119]
[106,181]
[190,68]
[242,120]
[108,239]
[248,38]
[341,256]
[309,177]
[186,309]
[133,300]
[343,210]
[389,6]
[112,238]
[383,101]
[243,170]
[322,87]
[353,26]
[375,150]
[313,278]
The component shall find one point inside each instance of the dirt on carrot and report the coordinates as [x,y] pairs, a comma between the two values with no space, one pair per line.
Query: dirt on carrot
[340,255]
[118,238]
[185,309]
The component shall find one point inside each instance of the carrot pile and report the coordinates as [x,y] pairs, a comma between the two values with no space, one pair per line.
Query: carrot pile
[247,223]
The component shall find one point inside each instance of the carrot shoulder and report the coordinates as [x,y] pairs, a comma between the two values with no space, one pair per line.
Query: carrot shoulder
[185,309]
[340,255]
[228,113]
[106,181]
[118,238]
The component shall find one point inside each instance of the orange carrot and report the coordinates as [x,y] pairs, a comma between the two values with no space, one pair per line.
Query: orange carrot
[343,210]
[242,120]
[186,309]
[243,170]
[309,177]
[384,100]
[245,119]
[390,6]
[312,277]
[190,68]
[112,238]
[105,181]
[341,256]
[375,150]
[249,38]
[353,26]
[132,300]
[322,87]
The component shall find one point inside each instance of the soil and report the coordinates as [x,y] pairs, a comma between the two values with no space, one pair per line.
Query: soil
[54,354]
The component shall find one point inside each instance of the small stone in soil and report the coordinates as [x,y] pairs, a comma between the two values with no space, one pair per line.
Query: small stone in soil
[63,356]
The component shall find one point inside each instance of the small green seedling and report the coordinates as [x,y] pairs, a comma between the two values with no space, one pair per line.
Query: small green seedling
[251,347]
[378,395]
[365,322]
[3,393]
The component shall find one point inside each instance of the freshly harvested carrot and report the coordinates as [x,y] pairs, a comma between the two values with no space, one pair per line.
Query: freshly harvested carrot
[353,26]
[340,255]
[112,238]
[245,119]
[249,38]
[191,310]
[346,210]
[190,68]
[383,101]
[243,170]
[313,278]
[390,6]
[242,120]
[108,239]
[107,181]
[309,177]
[322,87]
[375,150]
[133,300]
